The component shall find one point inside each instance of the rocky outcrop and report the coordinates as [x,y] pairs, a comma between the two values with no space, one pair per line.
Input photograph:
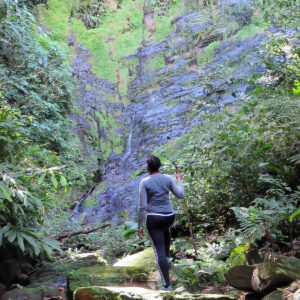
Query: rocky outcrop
[168,84]
[268,278]
[292,292]
[138,293]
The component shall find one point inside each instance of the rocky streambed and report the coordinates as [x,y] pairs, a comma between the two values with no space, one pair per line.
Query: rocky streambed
[85,276]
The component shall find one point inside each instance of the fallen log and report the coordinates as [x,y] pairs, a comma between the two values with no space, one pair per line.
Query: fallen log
[78,204]
[263,277]
[70,234]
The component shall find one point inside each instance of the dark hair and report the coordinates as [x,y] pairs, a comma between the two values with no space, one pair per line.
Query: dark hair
[153,163]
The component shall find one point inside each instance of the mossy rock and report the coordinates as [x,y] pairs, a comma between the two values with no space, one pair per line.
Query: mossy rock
[145,259]
[37,293]
[263,277]
[292,292]
[108,276]
[138,293]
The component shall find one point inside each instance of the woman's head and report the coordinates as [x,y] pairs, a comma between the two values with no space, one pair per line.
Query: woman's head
[153,164]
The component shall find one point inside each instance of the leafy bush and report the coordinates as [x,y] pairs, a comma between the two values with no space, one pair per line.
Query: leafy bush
[246,155]
[90,12]
[35,76]
[21,211]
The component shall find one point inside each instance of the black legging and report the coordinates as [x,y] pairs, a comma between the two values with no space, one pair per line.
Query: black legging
[158,229]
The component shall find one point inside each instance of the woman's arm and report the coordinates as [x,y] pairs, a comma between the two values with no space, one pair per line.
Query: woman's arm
[177,189]
[142,203]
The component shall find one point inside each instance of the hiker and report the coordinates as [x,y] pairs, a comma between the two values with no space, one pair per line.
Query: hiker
[154,202]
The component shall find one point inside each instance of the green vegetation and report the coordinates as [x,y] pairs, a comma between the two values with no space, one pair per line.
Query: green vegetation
[56,17]
[208,54]
[248,31]
[108,43]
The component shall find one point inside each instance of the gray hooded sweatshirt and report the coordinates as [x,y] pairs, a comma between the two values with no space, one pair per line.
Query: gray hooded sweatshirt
[154,195]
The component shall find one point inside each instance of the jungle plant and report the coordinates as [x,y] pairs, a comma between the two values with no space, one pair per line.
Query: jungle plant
[21,211]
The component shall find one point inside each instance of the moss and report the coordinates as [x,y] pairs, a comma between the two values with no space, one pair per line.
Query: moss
[91,202]
[163,26]
[124,81]
[56,17]
[249,31]
[112,141]
[99,275]
[108,43]
[157,62]
[237,256]
[171,150]
[208,55]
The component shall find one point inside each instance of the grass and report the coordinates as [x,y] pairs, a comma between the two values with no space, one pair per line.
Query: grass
[56,18]
[208,54]
[163,25]
[108,43]
[250,30]
[170,151]
[113,142]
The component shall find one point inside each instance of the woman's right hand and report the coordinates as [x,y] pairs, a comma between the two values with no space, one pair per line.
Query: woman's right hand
[141,233]
[178,176]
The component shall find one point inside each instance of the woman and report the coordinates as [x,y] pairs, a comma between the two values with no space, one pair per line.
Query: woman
[155,204]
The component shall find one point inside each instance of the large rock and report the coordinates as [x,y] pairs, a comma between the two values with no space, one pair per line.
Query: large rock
[263,277]
[107,276]
[240,277]
[145,258]
[292,292]
[42,292]
[138,293]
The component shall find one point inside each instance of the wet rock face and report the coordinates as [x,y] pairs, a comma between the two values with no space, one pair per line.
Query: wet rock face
[169,84]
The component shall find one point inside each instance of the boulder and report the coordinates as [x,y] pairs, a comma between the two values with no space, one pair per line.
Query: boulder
[138,293]
[263,277]
[269,275]
[145,258]
[292,292]
[42,292]
[108,276]
[88,259]
[240,277]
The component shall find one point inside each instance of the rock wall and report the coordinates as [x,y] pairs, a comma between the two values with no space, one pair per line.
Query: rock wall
[142,100]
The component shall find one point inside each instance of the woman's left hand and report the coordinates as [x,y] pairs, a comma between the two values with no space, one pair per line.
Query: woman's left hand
[141,233]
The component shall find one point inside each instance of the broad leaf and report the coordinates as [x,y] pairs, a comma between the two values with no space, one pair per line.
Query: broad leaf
[20,242]
[54,181]
[5,192]
[42,178]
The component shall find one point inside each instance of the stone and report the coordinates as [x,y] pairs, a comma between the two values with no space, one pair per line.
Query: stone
[292,292]
[106,276]
[138,293]
[269,275]
[145,258]
[88,259]
[263,277]
[39,293]
[240,277]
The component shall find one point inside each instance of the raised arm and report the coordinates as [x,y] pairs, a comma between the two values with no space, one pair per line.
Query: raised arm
[142,203]
[177,189]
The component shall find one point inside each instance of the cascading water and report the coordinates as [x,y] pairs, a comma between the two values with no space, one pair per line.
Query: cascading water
[128,148]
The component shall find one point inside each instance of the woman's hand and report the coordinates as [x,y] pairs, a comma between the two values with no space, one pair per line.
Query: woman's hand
[178,176]
[141,233]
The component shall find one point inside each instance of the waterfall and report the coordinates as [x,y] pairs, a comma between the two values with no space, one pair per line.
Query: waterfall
[128,144]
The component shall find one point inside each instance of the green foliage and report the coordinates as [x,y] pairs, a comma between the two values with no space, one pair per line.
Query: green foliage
[40,82]
[130,228]
[21,208]
[283,12]
[208,54]
[247,154]
[89,12]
